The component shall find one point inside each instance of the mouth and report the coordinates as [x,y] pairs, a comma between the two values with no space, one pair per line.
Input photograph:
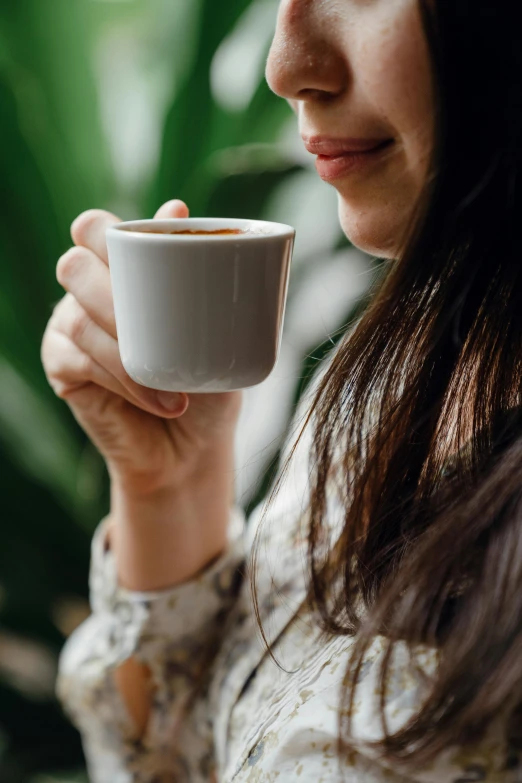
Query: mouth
[337,158]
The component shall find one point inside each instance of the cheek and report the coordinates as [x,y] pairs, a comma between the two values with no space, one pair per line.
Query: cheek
[395,82]
[400,83]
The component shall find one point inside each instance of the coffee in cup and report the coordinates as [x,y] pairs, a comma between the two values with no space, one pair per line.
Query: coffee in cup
[191,232]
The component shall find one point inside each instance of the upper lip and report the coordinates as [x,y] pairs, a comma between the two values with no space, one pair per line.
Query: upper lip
[331,147]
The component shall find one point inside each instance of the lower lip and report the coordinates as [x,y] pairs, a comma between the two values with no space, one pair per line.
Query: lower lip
[331,168]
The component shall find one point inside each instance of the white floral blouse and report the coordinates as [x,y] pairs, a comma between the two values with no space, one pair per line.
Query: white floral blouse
[223,710]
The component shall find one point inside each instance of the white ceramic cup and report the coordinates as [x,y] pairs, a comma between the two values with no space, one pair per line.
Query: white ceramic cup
[199,313]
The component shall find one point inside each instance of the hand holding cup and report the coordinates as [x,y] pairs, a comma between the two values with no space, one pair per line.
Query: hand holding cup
[150,439]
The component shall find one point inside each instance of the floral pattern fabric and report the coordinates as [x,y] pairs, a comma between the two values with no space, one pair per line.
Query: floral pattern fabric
[224,710]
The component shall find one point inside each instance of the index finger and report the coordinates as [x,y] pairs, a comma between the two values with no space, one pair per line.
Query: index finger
[88,230]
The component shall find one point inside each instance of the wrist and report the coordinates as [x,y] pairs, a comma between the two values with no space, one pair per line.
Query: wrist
[168,536]
[204,468]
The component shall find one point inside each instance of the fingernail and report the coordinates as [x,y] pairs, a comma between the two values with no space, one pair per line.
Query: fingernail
[169,401]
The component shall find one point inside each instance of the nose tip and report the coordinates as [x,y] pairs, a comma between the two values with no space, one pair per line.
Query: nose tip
[302,64]
[277,72]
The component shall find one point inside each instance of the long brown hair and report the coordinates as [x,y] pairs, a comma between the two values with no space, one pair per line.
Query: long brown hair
[423,400]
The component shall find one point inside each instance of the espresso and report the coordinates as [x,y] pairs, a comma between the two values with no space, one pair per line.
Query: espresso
[191,232]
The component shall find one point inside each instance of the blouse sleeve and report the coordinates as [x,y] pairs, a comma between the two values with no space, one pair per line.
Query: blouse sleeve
[176,633]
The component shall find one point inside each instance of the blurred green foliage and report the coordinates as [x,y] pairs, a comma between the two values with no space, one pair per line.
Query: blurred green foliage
[57,159]
[55,163]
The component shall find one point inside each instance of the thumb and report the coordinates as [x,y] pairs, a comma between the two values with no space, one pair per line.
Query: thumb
[173,209]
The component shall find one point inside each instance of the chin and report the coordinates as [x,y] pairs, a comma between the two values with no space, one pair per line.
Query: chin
[371,233]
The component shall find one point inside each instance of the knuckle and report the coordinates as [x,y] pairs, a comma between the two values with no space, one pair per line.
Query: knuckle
[86,366]
[69,263]
[59,317]
[85,220]
[59,388]
[83,226]
[64,370]
[44,350]
[78,324]
[52,356]
[52,373]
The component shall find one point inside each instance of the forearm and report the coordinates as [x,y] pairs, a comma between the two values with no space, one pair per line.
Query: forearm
[167,537]
[136,644]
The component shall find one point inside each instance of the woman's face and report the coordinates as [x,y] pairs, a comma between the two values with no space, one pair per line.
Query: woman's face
[358,74]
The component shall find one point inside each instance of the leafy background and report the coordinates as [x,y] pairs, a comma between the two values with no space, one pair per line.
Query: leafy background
[123,104]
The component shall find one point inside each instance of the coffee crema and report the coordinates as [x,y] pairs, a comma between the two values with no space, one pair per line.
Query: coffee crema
[190,232]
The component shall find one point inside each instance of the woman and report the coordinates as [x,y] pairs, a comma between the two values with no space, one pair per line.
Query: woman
[397,655]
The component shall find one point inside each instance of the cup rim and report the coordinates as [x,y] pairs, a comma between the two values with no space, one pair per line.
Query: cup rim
[261,229]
